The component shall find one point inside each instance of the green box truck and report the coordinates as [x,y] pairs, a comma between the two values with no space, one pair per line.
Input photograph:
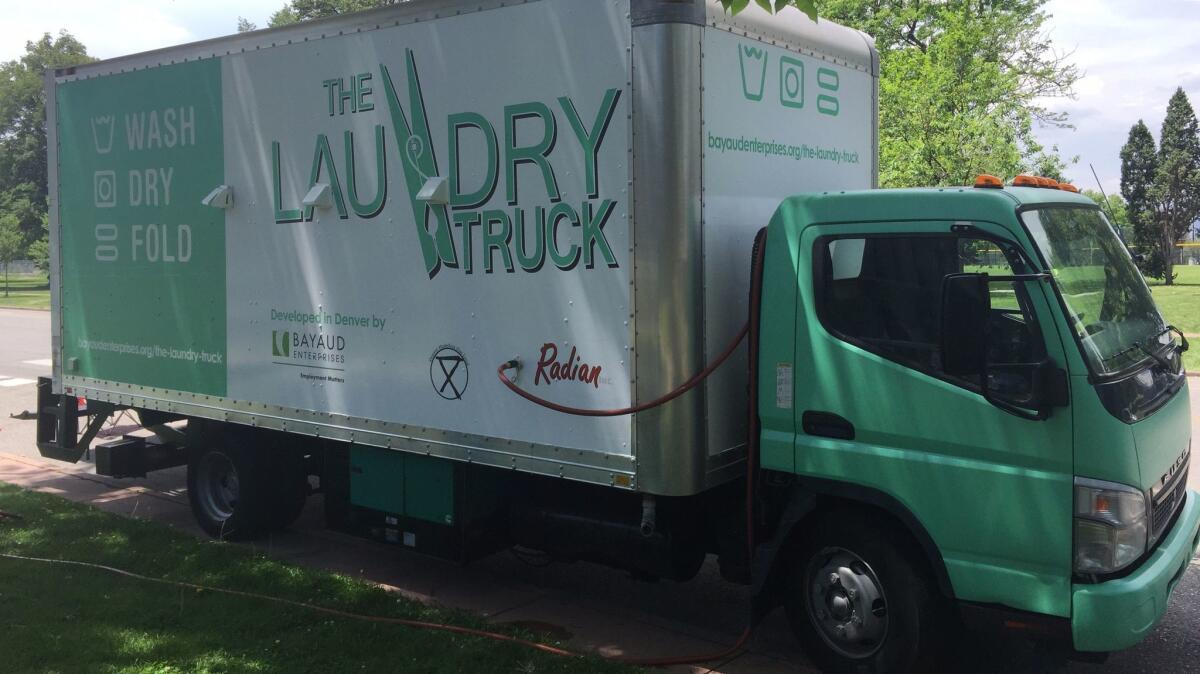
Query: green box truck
[488,273]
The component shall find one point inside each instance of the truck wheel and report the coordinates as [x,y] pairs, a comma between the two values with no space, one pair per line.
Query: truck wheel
[860,599]
[242,485]
[224,488]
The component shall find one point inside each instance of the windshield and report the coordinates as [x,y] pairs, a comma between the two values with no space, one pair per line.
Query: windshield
[1107,300]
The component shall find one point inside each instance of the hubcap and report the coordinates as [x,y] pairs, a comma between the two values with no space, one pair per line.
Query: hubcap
[846,602]
[218,486]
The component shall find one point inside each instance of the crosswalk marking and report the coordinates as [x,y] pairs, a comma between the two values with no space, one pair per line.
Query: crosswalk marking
[15,382]
[45,362]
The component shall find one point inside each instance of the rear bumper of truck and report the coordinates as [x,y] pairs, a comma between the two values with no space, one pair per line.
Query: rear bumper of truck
[1119,613]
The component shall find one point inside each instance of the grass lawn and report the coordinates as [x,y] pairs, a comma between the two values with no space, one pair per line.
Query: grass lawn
[30,291]
[1180,305]
[56,618]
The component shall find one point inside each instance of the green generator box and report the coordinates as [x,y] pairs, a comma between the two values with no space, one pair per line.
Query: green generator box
[421,502]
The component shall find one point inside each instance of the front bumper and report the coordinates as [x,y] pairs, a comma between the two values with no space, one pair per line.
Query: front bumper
[1119,613]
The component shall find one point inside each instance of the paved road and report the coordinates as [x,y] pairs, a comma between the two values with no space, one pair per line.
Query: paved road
[24,346]
[591,606]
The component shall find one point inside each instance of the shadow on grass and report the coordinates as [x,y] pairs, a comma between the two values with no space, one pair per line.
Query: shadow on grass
[24,283]
[80,619]
[18,289]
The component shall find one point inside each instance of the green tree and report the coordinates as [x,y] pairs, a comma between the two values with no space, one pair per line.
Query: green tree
[809,7]
[303,10]
[1139,162]
[245,25]
[962,87]
[1175,192]
[11,243]
[38,250]
[23,125]
[1114,208]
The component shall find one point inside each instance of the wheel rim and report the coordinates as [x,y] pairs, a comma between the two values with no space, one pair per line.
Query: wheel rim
[846,602]
[218,485]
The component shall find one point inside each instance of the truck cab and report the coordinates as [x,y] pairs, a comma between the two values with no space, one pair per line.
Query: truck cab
[986,368]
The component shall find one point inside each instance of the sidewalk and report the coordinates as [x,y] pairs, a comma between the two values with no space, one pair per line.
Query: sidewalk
[590,607]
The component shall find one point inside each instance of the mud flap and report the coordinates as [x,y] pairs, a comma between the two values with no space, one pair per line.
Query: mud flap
[766,571]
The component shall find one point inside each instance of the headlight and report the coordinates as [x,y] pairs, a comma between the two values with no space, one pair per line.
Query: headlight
[1110,526]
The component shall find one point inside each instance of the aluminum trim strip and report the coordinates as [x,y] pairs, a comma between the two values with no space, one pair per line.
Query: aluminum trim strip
[572,464]
[53,224]
[649,12]
[667,256]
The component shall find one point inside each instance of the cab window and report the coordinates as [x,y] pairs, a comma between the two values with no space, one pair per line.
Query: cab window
[884,294]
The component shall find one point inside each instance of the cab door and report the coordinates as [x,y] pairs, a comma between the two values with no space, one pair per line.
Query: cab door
[875,409]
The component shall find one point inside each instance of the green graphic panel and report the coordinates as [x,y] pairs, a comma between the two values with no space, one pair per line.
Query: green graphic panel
[143,268]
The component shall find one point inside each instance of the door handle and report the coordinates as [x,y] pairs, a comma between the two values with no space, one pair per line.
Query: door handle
[827,425]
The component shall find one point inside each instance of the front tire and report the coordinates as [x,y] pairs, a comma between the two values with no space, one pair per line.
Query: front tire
[861,599]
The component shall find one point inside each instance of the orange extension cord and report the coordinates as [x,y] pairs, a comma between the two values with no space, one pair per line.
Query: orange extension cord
[661,400]
[300,604]
[750,328]
[419,624]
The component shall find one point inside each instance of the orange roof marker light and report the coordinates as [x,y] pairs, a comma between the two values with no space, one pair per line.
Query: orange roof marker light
[985,180]
[1068,187]
[1047,182]
[1025,181]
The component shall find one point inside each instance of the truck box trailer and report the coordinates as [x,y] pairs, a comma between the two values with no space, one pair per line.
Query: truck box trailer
[301,255]
[591,201]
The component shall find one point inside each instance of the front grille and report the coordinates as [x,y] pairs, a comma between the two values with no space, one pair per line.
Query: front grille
[1167,505]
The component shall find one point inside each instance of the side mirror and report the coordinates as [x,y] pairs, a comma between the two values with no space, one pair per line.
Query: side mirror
[1027,390]
[966,307]
[1027,386]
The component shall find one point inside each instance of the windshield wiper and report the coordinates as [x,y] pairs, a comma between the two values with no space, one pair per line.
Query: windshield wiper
[1176,348]
[1120,353]
[1183,343]
[1140,345]
[1166,364]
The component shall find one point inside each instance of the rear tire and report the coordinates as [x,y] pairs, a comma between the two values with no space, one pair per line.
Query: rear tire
[861,599]
[241,485]
[225,491]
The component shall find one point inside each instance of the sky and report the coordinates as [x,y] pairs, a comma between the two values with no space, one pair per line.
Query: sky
[1133,56]
[111,28]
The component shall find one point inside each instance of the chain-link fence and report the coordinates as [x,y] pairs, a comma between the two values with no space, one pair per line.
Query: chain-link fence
[1185,253]
[1188,253]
